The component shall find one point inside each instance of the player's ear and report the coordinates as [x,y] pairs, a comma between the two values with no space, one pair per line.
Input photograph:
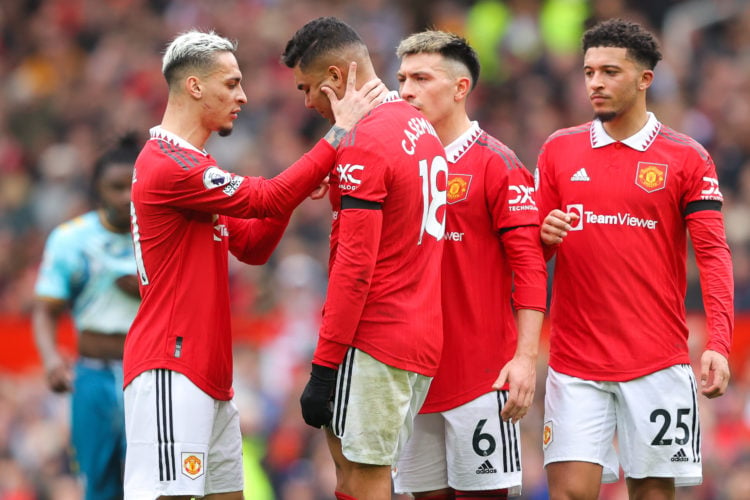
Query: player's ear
[463,87]
[336,78]
[194,87]
[647,78]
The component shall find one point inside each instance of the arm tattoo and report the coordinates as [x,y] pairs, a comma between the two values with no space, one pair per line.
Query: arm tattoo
[335,135]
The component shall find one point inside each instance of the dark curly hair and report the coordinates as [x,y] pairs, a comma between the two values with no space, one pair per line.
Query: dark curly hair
[319,37]
[125,151]
[641,45]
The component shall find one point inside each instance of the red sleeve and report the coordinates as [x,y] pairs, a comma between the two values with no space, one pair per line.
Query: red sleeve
[717,282]
[524,250]
[349,283]
[253,241]
[280,195]
[213,190]
[547,198]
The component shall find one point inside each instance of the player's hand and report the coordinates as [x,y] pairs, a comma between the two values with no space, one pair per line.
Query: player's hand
[556,225]
[321,190]
[316,398]
[355,104]
[60,377]
[714,374]
[520,375]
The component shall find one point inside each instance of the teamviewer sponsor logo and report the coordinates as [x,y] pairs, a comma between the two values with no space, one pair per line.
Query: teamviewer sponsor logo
[618,219]
[680,456]
[486,468]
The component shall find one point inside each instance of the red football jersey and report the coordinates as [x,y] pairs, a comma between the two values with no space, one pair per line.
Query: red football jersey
[187,214]
[384,287]
[490,193]
[618,292]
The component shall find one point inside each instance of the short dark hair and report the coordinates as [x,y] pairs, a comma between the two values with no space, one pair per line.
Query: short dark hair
[641,45]
[126,151]
[448,45]
[316,38]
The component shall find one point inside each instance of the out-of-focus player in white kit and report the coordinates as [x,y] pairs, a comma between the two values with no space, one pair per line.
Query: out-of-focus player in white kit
[466,441]
[619,195]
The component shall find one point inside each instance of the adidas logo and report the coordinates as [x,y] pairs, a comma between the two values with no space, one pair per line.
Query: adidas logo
[680,456]
[581,175]
[487,468]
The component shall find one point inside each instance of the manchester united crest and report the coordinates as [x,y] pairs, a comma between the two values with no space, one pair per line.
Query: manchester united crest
[192,464]
[458,187]
[651,176]
[547,434]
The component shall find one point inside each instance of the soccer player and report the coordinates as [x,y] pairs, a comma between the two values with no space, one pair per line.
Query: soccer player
[466,437]
[89,269]
[182,425]
[381,332]
[620,194]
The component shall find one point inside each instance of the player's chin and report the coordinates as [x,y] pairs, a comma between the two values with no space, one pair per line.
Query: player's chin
[225,131]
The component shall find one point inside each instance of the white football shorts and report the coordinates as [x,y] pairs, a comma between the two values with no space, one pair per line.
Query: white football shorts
[374,408]
[180,441]
[468,448]
[650,423]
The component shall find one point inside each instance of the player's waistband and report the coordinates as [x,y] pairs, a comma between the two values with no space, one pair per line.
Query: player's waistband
[99,364]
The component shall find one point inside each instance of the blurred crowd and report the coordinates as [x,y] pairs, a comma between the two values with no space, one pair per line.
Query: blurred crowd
[75,75]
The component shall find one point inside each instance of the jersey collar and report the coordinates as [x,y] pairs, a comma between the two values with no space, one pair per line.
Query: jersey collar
[461,145]
[640,141]
[158,132]
[391,96]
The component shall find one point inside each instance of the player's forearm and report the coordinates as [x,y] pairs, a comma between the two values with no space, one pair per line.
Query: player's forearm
[253,241]
[279,196]
[714,262]
[349,283]
[524,253]
[44,326]
[529,329]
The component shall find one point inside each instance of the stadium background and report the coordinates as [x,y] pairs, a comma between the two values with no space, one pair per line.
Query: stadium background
[76,74]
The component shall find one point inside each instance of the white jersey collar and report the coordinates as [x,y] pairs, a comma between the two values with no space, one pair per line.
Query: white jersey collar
[158,132]
[391,96]
[456,149]
[640,141]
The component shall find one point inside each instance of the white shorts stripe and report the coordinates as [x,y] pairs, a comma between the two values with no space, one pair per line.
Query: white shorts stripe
[696,429]
[165,426]
[343,389]
[509,438]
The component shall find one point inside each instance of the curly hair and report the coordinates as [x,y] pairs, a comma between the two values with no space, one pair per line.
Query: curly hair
[641,45]
[317,38]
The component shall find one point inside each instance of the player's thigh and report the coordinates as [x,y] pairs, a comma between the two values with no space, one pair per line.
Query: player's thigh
[180,440]
[580,418]
[374,408]
[422,463]
[659,426]
[483,451]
